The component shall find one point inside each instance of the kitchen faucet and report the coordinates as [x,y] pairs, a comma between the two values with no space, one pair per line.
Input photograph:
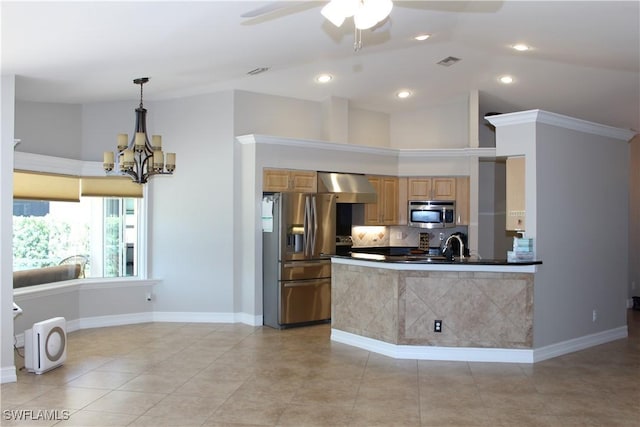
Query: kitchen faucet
[449,251]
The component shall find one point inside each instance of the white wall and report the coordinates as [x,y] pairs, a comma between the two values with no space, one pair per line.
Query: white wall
[256,113]
[369,128]
[444,126]
[7,366]
[49,128]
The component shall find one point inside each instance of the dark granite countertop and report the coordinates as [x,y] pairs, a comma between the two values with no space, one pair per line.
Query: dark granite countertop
[404,255]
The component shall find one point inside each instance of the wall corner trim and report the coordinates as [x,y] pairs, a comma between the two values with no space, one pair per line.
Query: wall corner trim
[559,120]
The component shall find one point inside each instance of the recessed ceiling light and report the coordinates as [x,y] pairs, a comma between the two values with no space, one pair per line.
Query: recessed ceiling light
[402,94]
[422,37]
[520,47]
[324,78]
[506,79]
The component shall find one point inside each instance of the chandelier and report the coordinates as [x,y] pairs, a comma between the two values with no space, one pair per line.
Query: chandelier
[365,13]
[139,158]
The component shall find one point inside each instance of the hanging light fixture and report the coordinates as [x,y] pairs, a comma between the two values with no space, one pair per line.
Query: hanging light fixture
[365,13]
[139,158]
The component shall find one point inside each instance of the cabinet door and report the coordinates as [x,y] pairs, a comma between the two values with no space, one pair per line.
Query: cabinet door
[372,210]
[275,180]
[443,188]
[389,205]
[462,200]
[515,194]
[419,188]
[289,180]
[303,181]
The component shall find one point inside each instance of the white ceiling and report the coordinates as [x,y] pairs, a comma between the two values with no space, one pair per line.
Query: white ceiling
[584,61]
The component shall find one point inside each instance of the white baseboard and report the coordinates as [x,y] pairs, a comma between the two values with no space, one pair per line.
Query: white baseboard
[469,354]
[133,318]
[8,374]
[580,343]
[204,317]
[193,317]
[248,319]
[110,320]
[460,354]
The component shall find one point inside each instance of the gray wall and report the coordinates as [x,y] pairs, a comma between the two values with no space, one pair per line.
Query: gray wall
[191,239]
[634,217]
[49,129]
[582,184]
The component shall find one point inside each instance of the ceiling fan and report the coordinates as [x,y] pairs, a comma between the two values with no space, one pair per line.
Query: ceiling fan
[366,14]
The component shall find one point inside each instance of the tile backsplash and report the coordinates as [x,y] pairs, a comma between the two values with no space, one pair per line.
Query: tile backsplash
[399,235]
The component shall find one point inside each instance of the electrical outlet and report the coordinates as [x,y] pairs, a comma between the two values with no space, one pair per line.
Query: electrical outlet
[437,326]
[594,315]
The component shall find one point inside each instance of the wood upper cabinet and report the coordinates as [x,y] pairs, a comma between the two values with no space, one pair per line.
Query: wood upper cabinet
[462,200]
[284,180]
[431,188]
[385,211]
[515,194]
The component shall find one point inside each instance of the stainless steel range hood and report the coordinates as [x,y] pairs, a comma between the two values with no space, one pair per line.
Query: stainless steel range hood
[348,187]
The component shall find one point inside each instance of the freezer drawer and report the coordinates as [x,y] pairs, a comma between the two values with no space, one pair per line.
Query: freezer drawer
[299,270]
[305,301]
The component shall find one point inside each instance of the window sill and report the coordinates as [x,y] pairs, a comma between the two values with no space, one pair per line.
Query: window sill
[81,284]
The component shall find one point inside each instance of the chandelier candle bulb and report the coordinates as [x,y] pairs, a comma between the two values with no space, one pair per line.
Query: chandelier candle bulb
[127,159]
[158,160]
[123,141]
[140,137]
[171,162]
[156,142]
[108,160]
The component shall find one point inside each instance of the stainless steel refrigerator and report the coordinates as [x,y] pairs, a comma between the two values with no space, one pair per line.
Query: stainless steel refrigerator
[299,235]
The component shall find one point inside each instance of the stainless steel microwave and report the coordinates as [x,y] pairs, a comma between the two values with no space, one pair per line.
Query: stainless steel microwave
[432,213]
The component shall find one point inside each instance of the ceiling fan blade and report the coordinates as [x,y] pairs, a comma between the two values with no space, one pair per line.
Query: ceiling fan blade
[452,6]
[269,8]
[278,9]
[263,10]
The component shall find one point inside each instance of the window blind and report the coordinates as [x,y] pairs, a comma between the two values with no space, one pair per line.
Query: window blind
[43,186]
[110,187]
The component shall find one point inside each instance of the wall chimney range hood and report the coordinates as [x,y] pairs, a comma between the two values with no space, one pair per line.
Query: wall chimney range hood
[348,187]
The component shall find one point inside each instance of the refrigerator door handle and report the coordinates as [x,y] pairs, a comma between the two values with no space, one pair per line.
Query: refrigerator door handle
[314,211]
[312,263]
[305,283]
[307,226]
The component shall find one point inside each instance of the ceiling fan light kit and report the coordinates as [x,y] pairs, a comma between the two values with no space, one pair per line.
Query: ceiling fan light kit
[365,13]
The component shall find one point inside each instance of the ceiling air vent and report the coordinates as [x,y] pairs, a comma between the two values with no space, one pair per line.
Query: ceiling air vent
[448,61]
[258,71]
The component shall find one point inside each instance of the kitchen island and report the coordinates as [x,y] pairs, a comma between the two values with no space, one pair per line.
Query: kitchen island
[390,305]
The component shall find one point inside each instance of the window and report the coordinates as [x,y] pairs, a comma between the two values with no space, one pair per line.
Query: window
[101,230]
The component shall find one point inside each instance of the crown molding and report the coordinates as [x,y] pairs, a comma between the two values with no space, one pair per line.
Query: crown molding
[391,152]
[56,165]
[554,119]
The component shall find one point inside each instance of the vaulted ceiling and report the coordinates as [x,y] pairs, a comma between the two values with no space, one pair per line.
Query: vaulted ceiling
[583,61]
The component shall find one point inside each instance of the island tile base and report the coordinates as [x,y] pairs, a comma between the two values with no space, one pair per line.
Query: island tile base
[478,309]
